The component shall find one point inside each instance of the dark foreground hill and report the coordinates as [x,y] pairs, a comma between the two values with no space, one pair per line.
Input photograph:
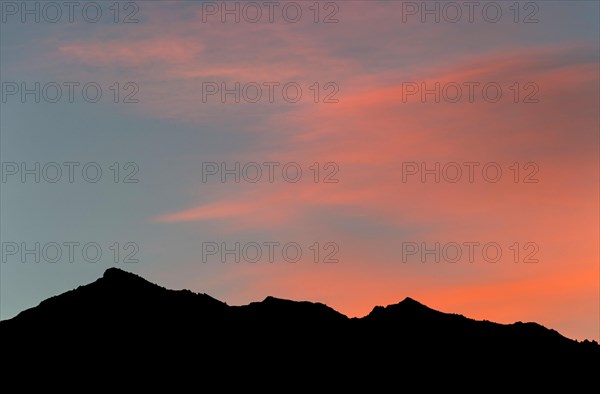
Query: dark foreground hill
[122,322]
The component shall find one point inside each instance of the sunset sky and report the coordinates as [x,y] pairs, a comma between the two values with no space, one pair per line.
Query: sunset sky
[374,131]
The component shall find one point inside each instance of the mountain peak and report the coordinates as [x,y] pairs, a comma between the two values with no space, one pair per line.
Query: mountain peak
[410,301]
[408,306]
[116,278]
[114,272]
[118,275]
[271,299]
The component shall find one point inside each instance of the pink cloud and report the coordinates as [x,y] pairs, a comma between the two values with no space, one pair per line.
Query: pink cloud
[134,53]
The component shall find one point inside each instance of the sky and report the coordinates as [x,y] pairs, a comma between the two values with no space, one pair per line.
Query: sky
[352,153]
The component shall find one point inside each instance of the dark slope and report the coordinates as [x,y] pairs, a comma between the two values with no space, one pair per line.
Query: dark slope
[411,318]
[118,298]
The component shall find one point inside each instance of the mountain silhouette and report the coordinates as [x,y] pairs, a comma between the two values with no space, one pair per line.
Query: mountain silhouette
[121,317]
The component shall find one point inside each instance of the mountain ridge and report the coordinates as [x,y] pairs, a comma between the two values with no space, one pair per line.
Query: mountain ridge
[123,315]
[118,281]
